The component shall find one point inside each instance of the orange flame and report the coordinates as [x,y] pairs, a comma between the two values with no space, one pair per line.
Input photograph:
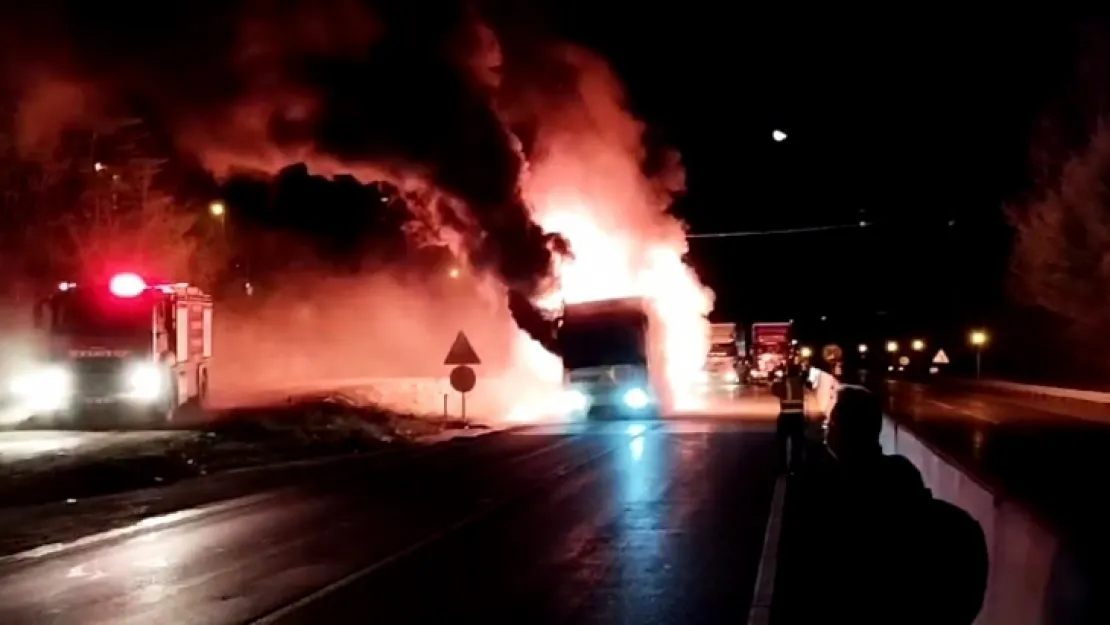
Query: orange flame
[586,182]
[609,263]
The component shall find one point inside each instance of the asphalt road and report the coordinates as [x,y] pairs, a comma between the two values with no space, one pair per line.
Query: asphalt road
[606,523]
[1048,453]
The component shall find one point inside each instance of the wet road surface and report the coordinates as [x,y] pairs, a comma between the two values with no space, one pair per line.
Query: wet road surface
[600,523]
[1050,454]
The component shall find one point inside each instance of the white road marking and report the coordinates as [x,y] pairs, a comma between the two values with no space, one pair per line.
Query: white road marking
[760,611]
[958,410]
[150,523]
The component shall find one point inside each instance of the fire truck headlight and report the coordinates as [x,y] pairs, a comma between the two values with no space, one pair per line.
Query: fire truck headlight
[48,388]
[636,398]
[145,381]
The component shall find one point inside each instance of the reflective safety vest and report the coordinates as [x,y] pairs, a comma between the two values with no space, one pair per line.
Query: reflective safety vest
[793,394]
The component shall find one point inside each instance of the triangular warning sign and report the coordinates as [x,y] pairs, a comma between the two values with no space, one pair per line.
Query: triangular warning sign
[941,358]
[461,353]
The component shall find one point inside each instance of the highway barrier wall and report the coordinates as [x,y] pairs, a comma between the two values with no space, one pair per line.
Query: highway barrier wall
[1054,392]
[1033,580]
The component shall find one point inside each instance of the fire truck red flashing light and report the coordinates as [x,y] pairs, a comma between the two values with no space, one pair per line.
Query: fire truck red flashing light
[126,285]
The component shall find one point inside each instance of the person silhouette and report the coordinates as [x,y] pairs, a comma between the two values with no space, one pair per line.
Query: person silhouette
[892,552]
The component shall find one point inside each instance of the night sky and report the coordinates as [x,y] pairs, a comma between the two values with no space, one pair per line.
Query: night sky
[910,126]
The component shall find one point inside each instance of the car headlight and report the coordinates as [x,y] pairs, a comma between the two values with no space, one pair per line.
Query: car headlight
[574,400]
[144,381]
[636,398]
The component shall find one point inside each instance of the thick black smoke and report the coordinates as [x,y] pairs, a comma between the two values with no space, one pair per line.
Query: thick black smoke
[399,89]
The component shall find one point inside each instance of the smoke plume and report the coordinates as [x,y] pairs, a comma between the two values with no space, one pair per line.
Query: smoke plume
[521,148]
[399,91]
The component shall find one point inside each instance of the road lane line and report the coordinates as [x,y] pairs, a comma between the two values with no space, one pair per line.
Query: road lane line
[760,611]
[179,517]
[159,522]
[290,609]
[958,410]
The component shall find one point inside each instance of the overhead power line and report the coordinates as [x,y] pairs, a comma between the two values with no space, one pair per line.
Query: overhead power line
[760,233]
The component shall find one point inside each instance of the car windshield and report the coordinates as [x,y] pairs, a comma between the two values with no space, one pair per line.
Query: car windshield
[94,314]
[602,342]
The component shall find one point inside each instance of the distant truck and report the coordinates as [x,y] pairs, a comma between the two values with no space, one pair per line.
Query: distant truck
[118,349]
[722,364]
[770,351]
[604,346]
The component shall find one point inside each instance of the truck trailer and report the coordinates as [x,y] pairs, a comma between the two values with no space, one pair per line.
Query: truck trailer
[769,351]
[722,364]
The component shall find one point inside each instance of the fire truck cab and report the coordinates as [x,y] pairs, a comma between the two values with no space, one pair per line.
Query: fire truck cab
[126,350]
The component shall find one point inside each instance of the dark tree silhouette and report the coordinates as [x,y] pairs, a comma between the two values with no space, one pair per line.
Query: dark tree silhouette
[1061,253]
[93,203]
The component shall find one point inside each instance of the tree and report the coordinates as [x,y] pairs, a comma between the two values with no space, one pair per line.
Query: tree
[127,222]
[1061,254]
[93,204]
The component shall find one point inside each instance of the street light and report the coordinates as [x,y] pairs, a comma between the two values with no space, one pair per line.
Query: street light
[978,340]
[863,348]
[217,209]
[918,345]
[892,346]
[779,136]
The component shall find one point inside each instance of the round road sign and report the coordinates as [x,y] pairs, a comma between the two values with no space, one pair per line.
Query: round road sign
[463,379]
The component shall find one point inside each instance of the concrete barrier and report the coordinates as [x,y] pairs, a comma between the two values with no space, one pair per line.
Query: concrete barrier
[1022,551]
[1033,578]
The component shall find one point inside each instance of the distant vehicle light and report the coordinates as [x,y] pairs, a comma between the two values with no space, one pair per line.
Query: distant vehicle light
[126,285]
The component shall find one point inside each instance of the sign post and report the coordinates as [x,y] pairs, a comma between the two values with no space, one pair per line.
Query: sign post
[463,378]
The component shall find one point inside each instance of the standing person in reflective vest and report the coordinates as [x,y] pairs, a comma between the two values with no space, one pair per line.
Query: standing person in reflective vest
[792,419]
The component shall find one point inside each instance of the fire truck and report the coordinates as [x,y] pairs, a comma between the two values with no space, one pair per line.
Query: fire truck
[604,345]
[121,349]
